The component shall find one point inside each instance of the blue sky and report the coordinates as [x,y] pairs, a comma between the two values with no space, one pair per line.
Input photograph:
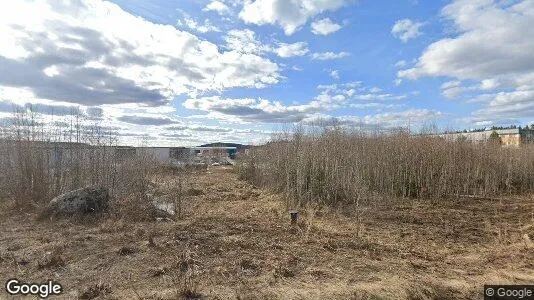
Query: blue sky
[188,72]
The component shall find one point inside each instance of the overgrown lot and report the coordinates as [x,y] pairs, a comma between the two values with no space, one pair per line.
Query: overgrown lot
[339,167]
[381,217]
[235,242]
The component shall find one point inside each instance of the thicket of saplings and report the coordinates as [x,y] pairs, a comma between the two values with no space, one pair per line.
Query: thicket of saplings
[39,161]
[336,166]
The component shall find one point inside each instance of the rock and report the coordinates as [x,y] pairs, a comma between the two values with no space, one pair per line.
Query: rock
[82,201]
[161,209]
[127,250]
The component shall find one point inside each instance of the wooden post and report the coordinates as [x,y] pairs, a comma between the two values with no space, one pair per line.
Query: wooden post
[178,200]
[294,217]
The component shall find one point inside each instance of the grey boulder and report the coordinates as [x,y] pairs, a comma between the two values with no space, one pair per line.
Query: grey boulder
[82,201]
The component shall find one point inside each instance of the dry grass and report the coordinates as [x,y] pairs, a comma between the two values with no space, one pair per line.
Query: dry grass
[235,242]
[377,237]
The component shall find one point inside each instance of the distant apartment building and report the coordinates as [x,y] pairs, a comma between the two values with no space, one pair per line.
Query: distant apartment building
[513,137]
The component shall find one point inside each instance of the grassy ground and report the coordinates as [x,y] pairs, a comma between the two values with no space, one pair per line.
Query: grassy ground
[235,242]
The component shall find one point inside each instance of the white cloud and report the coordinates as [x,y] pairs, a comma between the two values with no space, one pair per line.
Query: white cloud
[245,41]
[217,6]
[451,89]
[289,15]
[489,84]
[375,90]
[403,118]
[260,110]
[382,121]
[324,27]
[374,105]
[401,64]
[289,50]
[357,91]
[379,96]
[490,48]
[130,124]
[249,110]
[200,27]
[490,44]
[406,29]
[334,74]
[155,120]
[329,55]
[90,60]
[504,107]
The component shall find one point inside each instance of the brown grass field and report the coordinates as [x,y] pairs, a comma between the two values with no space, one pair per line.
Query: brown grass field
[235,242]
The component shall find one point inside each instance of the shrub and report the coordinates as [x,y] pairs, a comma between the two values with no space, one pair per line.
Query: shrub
[39,162]
[335,166]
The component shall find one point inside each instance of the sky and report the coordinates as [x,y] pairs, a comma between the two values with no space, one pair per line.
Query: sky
[179,73]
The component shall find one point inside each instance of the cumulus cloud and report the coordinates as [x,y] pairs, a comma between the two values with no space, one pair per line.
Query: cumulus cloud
[504,107]
[54,109]
[452,89]
[146,120]
[75,52]
[403,118]
[379,96]
[210,129]
[406,29]
[129,124]
[249,110]
[267,111]
[246,41]
[490,48]
[334,74]
[176,135]
[289,15]
[357,91]
[329,55]
[375,105]
[289,50]
[410,117]
[379,121]
[203,27]
[217,6]
[51,108]
[324,27]
[198,128]
[490,44]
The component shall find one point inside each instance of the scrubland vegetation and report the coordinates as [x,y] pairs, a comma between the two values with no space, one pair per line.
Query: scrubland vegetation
[336,166]
[381,216]
[40,161]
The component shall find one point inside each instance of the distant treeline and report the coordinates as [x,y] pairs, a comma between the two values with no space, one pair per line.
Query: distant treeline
[531,127]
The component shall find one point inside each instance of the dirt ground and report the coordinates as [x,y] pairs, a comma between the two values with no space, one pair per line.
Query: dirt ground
[235,242]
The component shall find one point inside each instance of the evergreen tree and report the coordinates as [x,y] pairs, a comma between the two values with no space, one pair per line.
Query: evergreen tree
[494,138]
